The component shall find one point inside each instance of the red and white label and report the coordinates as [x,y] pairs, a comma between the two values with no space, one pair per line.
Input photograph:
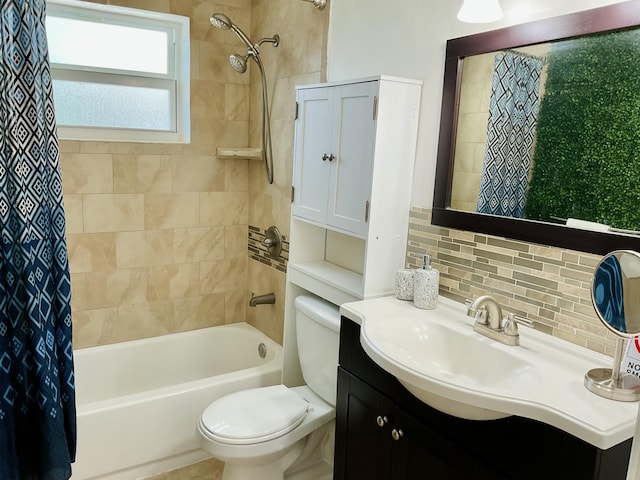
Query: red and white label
[631,361]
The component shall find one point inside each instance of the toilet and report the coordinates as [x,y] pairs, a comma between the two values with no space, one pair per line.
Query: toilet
[261,433]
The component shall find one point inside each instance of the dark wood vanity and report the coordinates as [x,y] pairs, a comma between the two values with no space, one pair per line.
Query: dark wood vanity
[384,432]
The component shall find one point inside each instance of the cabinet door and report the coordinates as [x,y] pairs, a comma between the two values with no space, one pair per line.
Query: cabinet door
[312,141]
[363,448]
[376,440]
[421,453]
[354,135]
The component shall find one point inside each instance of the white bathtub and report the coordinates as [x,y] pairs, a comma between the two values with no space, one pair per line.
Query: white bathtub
[138,403]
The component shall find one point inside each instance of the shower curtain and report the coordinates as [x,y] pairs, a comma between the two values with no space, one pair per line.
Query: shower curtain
[511,131]
[609,293]
[37,395]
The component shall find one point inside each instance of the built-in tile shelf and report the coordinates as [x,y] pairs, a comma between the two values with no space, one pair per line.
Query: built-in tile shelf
[239,153]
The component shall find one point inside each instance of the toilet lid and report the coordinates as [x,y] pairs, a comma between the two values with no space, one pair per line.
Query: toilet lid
[254,415]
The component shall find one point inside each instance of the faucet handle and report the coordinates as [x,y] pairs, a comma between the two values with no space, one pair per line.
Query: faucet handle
[481,316]
[521,320]
[510,326]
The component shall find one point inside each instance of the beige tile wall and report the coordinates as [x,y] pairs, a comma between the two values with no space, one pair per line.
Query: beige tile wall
[548,285]
[472,132]
[157,233]
[299,59]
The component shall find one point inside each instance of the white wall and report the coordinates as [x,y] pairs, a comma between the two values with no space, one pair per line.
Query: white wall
[407,38]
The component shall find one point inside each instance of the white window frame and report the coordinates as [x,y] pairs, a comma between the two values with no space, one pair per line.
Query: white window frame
[178,70]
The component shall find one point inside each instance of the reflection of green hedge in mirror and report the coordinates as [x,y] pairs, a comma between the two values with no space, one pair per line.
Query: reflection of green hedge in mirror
[587,159]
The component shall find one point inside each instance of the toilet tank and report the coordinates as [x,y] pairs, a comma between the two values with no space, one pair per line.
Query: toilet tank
[318,336]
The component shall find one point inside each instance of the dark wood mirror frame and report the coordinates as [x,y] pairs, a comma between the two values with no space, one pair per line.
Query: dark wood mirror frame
[613,17]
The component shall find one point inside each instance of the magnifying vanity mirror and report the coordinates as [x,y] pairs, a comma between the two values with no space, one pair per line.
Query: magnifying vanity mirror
[564,171]
[615,293]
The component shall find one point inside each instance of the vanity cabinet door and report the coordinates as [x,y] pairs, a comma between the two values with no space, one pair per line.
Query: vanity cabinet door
[363,446]
[333,164]
[422,453]
[377,440]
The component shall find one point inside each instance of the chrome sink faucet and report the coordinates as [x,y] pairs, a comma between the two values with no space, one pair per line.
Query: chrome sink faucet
[488,314]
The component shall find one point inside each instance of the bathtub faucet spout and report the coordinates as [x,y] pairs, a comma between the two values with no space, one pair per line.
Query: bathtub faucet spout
[266,299]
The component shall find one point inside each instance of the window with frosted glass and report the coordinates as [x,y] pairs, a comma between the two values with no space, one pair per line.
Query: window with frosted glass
[118,73]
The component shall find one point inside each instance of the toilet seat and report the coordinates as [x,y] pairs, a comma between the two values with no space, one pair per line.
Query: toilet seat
[255,415]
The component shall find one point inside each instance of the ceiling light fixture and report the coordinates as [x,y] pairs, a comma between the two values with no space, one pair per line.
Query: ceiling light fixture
[480,11]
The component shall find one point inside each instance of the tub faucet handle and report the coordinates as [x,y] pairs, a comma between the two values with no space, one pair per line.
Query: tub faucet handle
[273,242]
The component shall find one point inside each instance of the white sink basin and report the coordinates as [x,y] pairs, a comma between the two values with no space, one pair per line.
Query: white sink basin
[434,350]
[438,357]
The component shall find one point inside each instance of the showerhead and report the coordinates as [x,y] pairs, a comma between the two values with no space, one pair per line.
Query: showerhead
[220,20]
[238,62]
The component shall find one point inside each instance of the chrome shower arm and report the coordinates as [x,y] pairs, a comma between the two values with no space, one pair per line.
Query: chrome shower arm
[275,40]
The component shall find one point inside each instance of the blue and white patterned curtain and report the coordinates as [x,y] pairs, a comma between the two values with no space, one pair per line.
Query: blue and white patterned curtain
[511,132]
[37,395]
[608,292]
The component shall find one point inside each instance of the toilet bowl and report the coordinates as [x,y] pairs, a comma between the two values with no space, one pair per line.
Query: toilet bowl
[260,433]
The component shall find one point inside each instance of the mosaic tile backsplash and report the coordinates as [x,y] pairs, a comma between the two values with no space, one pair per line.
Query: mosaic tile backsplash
[548,285]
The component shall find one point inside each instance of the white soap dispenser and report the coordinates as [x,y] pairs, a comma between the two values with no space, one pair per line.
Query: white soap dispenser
[426,285]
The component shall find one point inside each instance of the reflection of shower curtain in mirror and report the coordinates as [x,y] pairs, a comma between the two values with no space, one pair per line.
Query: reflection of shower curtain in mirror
[511,130]
[608,293]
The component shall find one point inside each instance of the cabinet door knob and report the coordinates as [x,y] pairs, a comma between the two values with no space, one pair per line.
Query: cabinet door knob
[397,434]
[331,157]
[382,420]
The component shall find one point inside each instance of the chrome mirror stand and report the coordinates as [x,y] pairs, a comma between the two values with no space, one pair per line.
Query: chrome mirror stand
[612,383]
[616,280]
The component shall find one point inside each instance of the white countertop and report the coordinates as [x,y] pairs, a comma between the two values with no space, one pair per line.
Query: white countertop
[558,397]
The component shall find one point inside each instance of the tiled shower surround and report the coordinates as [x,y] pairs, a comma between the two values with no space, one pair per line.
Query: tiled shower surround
[157,233]
[548,285]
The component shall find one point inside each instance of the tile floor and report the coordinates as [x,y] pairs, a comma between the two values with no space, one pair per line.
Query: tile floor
[208,470]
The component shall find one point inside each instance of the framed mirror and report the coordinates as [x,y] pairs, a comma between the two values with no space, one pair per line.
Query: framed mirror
[591,202]
[615,293]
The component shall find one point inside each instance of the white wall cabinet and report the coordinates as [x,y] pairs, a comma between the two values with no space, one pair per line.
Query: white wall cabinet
[354,153]
[334,146]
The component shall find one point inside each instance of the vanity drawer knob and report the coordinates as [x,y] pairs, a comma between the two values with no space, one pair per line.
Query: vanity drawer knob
[397,434]
[382,420]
